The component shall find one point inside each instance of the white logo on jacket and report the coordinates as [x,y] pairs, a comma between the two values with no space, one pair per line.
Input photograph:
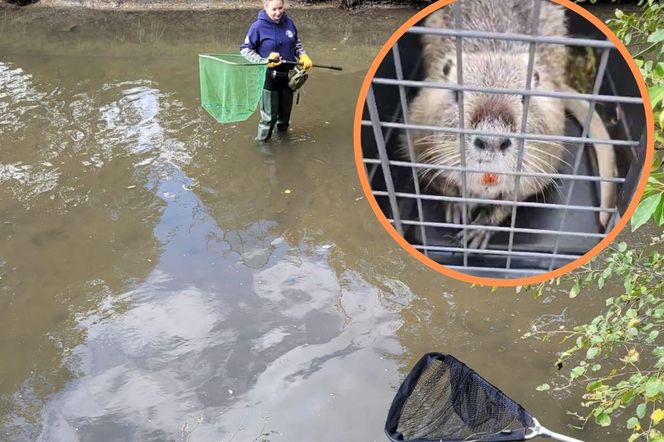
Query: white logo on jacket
[289,33]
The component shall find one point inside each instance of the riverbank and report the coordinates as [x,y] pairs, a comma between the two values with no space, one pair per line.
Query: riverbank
[201,5]
[160,4]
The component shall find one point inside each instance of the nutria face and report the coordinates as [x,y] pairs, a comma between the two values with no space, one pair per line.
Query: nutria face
[499,115]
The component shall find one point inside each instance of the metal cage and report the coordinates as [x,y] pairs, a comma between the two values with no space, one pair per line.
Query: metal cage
[538,236]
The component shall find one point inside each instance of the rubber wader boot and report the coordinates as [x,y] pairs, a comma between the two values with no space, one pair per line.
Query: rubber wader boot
[285,106]
[269,114]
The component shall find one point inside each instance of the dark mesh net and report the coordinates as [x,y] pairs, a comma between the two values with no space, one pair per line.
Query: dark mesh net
[442,399]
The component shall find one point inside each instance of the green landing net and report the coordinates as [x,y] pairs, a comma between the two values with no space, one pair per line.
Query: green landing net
[230,86]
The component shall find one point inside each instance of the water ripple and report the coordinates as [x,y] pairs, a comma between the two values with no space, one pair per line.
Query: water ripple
[18,98]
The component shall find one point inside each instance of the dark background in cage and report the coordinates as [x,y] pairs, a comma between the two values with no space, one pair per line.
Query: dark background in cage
[532,252]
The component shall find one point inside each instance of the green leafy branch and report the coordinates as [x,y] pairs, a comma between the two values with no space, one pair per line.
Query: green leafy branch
[643,33]
[619,355]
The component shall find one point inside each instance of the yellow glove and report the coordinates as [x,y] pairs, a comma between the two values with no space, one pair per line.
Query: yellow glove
[273,56]
[306,62]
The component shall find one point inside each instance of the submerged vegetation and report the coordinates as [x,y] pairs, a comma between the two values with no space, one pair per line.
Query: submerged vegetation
[619,355]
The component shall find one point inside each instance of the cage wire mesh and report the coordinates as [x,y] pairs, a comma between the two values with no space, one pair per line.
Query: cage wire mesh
[542,233]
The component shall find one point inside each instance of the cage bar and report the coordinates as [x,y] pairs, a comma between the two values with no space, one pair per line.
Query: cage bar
[409,141]
[524,121]
[373,111]
[462,141]
[599,78]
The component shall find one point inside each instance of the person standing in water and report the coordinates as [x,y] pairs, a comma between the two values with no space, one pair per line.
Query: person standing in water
[271,39]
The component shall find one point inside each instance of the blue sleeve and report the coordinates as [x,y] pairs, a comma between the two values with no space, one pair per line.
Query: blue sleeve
[249,48]
[298,47]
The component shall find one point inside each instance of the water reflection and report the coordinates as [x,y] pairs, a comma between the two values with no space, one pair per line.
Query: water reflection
[73,235]
[220,341]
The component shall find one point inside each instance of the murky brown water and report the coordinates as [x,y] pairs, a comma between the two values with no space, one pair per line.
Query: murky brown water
[163,280]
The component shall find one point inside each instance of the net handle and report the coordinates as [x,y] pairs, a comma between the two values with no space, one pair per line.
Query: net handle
[540,431]
[286,62]
[294,63]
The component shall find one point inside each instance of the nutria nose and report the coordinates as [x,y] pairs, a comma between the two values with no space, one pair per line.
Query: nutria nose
[480,143]
[493,144]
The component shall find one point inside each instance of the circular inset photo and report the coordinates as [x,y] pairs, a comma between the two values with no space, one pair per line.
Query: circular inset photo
[503,142]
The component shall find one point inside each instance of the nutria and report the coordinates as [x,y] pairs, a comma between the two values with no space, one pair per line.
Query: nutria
[498,64]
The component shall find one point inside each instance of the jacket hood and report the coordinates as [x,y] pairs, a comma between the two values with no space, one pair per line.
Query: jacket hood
[262,15]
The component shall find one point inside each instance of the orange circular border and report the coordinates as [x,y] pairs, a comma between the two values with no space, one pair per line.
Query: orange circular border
[366,187]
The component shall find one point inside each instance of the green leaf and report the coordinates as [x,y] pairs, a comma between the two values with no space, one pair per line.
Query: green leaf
[603,420]
[660,363]
[641,411]
[622,247]
[645,210]
[627,398]
[592,352]
[656,36]
[607,272]
[632,422]
[659,211]
[593,386]
[577,371]
[659,69]
[543,387]
[656,94]
[653,335]
[652,388]
[574,292]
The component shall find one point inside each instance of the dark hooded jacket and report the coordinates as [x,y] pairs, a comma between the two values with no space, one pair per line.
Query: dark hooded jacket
[265,36]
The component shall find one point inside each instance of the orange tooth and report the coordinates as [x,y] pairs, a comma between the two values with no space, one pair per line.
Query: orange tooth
[489,179]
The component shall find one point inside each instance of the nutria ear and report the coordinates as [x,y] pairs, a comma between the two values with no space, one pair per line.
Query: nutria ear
[536,76]
[536,79]
[447,67]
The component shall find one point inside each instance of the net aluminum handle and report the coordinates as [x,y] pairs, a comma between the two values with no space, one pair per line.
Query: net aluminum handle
[293,63]
[540,431]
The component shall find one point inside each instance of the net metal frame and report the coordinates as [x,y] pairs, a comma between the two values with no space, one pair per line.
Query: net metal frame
[441,399]
[557,258]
